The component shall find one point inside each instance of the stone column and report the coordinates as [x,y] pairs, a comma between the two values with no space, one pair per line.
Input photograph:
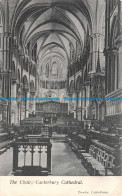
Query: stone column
[96,38]
[120,66]
[32,103]
[87,102]
[49,157]
[34,106]
[75,104]
[120,49]
[81,104]
[27,105]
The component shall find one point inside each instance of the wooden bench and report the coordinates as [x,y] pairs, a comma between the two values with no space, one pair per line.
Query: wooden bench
[84,158]
[96,168]
[69,141]
[97,161]
[79,153]
[85,155]
[74,147]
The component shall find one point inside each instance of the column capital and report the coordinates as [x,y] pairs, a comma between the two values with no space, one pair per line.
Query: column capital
[96,35]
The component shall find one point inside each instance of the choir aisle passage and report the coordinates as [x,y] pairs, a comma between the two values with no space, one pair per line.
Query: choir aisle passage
[64,161]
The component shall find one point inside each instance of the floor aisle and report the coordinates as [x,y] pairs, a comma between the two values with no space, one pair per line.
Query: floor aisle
[65,162]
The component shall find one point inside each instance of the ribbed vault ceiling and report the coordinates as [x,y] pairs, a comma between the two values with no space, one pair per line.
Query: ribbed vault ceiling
[55,25]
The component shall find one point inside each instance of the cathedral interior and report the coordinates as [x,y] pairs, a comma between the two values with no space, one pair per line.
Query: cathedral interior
[61,87]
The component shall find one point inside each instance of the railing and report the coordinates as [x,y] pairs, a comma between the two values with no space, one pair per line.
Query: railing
[28,149]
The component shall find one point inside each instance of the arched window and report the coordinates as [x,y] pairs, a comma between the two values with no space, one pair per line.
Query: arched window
[85,76]
[78,83]
[1,26]
[47,70]
[13,68]
[71,86]
[26,66]
[0,42]
[1,66]
[18,75]
[25,82]
[32,86]
[40,83]
[54,69]
[0,19]
[113,58]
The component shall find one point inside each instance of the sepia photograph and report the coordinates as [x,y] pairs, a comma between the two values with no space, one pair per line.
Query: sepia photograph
[60,89]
